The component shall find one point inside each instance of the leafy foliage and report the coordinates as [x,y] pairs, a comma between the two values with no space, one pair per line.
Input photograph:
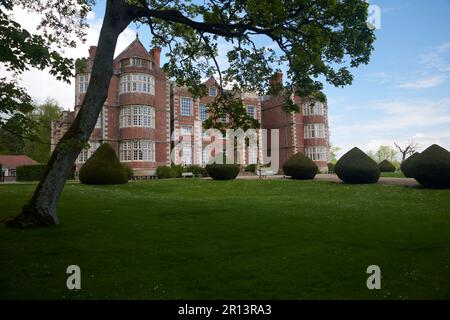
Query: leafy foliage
[103,167]
[300,167]
[165,172]
[355,167]
[30,172]
[432,168]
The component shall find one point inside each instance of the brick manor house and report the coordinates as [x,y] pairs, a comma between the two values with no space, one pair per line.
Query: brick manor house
[144,108]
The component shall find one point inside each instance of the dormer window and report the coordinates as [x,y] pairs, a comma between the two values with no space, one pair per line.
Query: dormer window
[136,62]
[212,91]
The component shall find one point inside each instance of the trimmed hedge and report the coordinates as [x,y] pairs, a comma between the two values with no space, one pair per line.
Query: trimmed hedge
[250,168]
[432,168]
[165,172]
[222,171]
[386,166]
[300,167]
[407,166]
[103,167]
[178,169]
[30,173]
[356,167]
[196,170]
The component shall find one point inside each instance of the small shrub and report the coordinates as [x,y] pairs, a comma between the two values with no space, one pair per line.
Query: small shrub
[128,170]
[432,168]
[178,169]
[331,166]
[250,168]
[222,170]
[407,166]
[300,167]
[386,166]
[165,172]
[103,167]
[356,167]
[30,173]
[196,170]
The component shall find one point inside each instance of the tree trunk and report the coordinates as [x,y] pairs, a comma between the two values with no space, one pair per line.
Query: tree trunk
[41,209]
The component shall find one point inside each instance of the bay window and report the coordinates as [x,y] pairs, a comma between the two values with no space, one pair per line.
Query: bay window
[137,150]
[137,116]
[316,153]
[314,130]
[137,82]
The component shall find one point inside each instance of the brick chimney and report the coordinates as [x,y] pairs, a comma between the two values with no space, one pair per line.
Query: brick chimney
[277,78]
[92,50]
[156,53]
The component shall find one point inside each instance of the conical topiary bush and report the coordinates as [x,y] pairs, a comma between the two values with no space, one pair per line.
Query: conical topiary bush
[356,167]
[300,167]
[407,166]
[103,167]
[432,168]
[386,166]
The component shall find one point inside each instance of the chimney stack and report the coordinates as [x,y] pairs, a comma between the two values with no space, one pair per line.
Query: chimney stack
[277,78]
[92,50]
[156,53]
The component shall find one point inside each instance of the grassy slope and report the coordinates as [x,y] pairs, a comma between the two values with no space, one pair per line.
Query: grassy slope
[231,239]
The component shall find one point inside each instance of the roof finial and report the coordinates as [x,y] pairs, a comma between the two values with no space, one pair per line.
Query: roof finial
[137,36]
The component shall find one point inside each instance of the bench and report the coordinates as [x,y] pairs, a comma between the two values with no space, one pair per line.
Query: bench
[187,174]
[265,172]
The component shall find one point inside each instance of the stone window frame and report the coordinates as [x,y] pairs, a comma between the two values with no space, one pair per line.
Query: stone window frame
[317,109]
[316,153]
[184,106]
[129,118]
[315,131]
[136,82]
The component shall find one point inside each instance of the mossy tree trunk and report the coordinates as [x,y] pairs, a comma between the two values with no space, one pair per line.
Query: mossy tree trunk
[40,211]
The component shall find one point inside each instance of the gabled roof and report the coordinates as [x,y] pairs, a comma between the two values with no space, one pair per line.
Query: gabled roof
[11,161]
[135,49]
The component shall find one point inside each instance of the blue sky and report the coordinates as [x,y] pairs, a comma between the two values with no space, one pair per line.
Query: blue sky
[402,94]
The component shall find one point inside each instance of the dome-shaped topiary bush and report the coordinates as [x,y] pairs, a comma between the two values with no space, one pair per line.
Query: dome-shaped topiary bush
[221,169]
[432,168]
[356,167]
[103,168]
[300,167]
[386,166]
[407,166]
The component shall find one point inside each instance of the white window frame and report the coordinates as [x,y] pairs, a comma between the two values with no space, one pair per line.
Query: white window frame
[318,153]
[316,109]
[251,114]
[83,82]
[137,83]
[252,155]
[86,153]
[186,158]
[315,131]
[203,112]
[137,116]
[186,130]
[185,107]
[215,91]
[137,150]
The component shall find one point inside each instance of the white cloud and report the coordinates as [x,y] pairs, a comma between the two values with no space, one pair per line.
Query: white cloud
[394,121]
[40,84]
[429,82]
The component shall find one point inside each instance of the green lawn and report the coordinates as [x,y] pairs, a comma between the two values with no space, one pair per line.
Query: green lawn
[256,239]
[397,174]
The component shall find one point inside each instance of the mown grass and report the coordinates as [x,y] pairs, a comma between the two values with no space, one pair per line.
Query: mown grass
[397,174]
[242,239]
